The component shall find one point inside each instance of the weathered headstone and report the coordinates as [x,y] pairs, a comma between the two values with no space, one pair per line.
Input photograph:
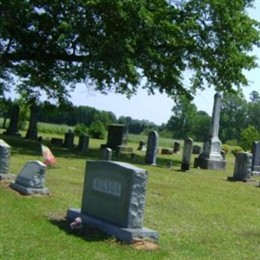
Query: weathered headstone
[196,149]
[5,153]
[32,132]
[69,139]
[256,158]
[107,154]
[31,179]
[176,147]
[14,119]
[211,157]
[243,167]
[114,199]
[152,146]
[83,143]
[186,155]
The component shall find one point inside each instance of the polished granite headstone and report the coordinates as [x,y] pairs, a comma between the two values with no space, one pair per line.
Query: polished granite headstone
[114,199]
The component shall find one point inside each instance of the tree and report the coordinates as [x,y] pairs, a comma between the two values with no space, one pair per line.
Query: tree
[233,116]
[248,136]
[253,116]
[201,126]
[182,121]
[254,97]
[114,44]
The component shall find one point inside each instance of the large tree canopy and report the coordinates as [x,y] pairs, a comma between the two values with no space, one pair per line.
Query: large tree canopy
[51,45]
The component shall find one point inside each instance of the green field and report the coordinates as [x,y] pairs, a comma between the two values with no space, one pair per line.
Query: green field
[198,214]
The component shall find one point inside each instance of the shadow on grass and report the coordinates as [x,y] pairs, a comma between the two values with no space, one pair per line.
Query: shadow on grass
[30,147]
[87,233]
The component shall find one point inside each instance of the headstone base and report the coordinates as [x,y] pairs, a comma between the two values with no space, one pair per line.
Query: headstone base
[4,176]
[256,170]
[12,133]
[127,235]
[232,178]
[206,163]
[125,149]
[29,191]
[185,167]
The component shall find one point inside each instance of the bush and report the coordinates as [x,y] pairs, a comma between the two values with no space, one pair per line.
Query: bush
[52,129]
[97,130]
[248,136]
[232,142]
[237,149]
[80,129]
[225,148]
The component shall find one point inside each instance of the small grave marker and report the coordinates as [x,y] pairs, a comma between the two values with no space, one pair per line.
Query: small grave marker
[31,179]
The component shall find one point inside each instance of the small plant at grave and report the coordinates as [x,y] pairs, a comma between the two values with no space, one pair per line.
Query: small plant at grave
[225,148]
[237,149]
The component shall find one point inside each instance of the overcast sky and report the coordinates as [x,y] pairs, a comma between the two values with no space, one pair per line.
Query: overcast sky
[157,108]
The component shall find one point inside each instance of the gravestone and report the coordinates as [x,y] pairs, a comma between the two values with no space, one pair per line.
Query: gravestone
[69,139]
[14,119]
[196,149]
[83,143]
[113,200]
[107,154]
[211,157]
[243,167]
[152,146]
[141,146]
[116,137]
[186,155]
[166,151]
[176,147]
[57,141]
[256,158]
[5,153]
[31,179]
[32,132]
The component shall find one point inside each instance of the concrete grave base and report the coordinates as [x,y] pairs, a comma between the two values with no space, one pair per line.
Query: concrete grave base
[205,163]
[6,177]
[232,178]
[256,170]
[29,191]
[127,235]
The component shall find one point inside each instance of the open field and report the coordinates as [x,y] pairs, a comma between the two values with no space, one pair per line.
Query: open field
[198,214]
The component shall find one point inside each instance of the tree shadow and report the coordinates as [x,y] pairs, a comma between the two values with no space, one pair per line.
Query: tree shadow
[88,233]
[30,147]
[20,145]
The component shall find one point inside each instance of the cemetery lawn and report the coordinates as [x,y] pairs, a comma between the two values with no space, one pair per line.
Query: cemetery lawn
[198,214]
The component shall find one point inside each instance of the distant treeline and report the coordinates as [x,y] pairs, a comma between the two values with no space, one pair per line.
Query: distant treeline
[239,119]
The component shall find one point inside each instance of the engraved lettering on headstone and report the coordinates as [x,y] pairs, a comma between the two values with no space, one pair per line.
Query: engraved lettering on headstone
[106,186]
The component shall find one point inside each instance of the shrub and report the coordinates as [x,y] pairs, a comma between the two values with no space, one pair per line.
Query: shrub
[248,136]
[97,130]
[80,129]
[225,148]
[237,149]
[232,142]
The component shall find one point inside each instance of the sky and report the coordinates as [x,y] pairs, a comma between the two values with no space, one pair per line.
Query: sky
[157,108]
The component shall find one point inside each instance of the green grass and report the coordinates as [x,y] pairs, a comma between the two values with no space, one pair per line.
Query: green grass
[198,214]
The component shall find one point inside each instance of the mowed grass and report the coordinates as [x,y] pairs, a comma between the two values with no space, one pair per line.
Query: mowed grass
[198,214]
